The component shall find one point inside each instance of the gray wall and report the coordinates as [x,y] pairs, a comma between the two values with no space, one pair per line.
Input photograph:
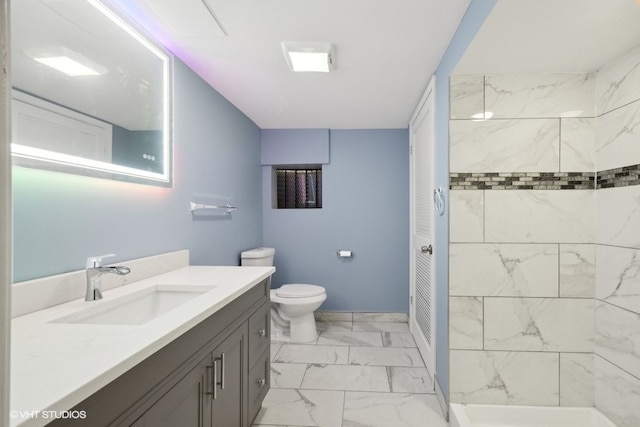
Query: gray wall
[61,219]
[471,22]
[365,209]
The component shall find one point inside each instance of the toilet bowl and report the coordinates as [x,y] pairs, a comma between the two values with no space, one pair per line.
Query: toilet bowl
[292,307]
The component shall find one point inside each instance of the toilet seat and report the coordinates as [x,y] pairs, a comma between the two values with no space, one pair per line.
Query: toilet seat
[297,290]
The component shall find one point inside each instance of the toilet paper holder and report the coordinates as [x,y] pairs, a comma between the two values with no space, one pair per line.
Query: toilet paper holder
[344,254]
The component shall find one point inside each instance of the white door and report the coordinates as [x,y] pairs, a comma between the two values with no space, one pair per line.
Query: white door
[422,314]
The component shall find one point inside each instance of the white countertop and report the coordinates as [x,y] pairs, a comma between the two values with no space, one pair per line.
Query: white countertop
[55,366]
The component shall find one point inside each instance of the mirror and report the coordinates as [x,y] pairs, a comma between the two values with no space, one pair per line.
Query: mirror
[91,94]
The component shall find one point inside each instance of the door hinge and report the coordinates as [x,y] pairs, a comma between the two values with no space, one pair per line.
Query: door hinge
[411,299]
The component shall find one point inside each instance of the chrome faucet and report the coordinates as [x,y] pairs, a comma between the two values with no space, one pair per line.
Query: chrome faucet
[95,270]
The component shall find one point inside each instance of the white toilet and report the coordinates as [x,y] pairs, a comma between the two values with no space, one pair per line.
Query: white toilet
[292,305]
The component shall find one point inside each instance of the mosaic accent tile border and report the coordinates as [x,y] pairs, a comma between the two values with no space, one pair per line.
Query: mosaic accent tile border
[619,177]
[522,181]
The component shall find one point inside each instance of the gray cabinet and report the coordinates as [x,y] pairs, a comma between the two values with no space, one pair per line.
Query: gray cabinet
[209,395]
[259,357]
[214,375]
[228,382]
[184,404]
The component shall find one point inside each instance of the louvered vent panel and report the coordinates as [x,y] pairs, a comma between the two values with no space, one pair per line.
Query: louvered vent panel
[424,311]
[423,178]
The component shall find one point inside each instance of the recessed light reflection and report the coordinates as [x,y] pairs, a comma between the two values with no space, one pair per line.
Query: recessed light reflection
[479,117]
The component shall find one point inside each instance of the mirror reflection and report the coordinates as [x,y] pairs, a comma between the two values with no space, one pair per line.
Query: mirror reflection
[90,93]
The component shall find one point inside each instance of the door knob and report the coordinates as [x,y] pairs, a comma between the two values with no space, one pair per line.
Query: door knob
[427,250]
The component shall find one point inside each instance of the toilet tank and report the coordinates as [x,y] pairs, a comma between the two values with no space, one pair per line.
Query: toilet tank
[257,257]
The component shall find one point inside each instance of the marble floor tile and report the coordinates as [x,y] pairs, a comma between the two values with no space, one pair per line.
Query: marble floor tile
[380,327]
[302,353]
[295,407]
[391,409]
[338,337]
[346,377]
[380,317]
[366,373]
[410,380]
[275,348]
[333,316]
[385,356]
[322,325]
[398,339]
[287,375]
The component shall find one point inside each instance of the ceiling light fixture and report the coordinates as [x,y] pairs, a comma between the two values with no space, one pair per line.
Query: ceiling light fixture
[309,57]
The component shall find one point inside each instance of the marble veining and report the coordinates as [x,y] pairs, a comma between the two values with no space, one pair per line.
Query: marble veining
[618,82]
[300,353]
[617,137]
[346,337]
[577,379]
[618,336]
[577,144]
[540,95]
[531,216]
[618,276]
[466,216]
[466,323]
[617,393]
[380,327]
[577,270]
[539,324]
[398,339]
[315,408]
[504,145]
[385,356]
[381,392]
[517,378]
[345,377]
[409,380]
[287,375]
[503,269]
[391,409]
[466,96]
[618,213]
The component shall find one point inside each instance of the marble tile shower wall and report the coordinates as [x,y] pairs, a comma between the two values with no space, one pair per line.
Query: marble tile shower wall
[545,281]
[617,330]
[522,235]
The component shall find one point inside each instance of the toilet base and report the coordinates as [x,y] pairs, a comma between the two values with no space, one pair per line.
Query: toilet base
[301,330]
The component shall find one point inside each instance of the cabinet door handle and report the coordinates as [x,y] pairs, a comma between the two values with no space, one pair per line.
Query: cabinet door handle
[221,359]
[262,332]
[261,382]
[214,379]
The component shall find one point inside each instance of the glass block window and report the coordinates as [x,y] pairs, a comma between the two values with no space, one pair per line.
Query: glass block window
[299,188]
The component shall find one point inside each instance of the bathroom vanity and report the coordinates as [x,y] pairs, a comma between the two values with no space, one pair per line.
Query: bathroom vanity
[203,363]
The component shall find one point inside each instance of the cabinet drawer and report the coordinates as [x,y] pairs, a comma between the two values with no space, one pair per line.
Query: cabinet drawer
[259,333]
[259,382]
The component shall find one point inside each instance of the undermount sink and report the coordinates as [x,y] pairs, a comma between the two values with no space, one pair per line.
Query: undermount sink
[138,307]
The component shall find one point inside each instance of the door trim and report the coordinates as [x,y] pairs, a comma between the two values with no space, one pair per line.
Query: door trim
[421,340]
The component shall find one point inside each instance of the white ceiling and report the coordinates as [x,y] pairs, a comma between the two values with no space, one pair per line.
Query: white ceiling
[386,51]
[534,36]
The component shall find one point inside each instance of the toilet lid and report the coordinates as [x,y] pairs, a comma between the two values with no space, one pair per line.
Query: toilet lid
[299,291]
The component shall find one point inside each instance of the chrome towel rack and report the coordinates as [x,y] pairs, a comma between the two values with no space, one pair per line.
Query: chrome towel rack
[226,208]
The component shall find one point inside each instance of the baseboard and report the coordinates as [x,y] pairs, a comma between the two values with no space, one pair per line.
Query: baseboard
[442,400]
